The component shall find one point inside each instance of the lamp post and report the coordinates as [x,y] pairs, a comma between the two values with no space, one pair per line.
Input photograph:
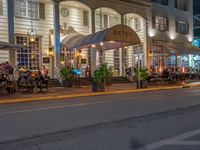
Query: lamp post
[138,67]
[32,33]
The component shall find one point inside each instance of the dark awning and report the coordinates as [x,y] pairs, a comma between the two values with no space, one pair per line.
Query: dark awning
[179,48]
[114,37]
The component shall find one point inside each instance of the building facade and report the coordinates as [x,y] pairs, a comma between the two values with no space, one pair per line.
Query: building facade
[171,33]
[157,23]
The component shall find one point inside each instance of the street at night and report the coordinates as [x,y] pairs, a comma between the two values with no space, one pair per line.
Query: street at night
[159,120]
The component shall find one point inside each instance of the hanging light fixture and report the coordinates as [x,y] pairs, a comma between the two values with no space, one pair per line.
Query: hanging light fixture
[32,33]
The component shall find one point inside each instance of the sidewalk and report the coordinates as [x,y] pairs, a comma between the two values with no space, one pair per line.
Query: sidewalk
[58,93]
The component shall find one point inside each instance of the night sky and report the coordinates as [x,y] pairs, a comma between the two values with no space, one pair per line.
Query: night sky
[196,6]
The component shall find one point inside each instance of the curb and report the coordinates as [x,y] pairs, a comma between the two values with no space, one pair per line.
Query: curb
[62,97]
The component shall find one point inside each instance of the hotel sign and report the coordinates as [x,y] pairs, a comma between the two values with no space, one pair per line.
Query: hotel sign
[122,33]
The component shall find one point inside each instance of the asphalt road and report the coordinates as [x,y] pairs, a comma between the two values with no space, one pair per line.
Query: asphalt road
[161,120]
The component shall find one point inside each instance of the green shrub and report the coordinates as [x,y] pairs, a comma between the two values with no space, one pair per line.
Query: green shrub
[142,73]
[102,74]
[66,74]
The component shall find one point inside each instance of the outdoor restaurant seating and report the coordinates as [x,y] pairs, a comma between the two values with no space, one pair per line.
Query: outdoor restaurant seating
[26,81]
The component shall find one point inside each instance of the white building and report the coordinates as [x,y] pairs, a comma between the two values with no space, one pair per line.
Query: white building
[55,22]
[172,33]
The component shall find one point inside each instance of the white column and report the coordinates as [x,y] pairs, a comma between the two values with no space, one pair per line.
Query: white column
[11,32]
[92,50]
[57,33]
[122,53]
[191,62]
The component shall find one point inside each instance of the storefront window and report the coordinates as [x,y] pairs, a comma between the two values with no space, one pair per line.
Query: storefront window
[28,57]
[171,61]
[185,60]
[196,59]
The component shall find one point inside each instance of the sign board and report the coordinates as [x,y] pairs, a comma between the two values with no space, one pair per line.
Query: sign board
[46,60]
[83,61]
[196,43]
[122,33]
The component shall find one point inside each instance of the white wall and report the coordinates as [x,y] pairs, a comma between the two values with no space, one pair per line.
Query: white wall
[4,56]
[4,24]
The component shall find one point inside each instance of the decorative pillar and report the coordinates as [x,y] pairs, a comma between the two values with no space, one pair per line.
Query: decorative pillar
[122,53]
[92,49]
[122,19]
[11,32]
[57,48]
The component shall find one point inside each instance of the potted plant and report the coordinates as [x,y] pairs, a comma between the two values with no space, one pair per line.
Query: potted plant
[101,75]
[141,76]
[67,77]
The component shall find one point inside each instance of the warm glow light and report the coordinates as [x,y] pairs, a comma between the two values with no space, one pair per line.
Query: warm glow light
[151,33]
[93,46]
[190,38]
[160,69]
[32,39]
[172,35]
[101,43]
[183,69]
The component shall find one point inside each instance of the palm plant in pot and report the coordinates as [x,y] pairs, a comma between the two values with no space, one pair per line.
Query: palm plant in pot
[142,76]
[67,77]
[101,75]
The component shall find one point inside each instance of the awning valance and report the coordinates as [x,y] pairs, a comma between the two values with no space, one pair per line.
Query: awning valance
[5,45]
[71,39]
[180,48]
[114,37]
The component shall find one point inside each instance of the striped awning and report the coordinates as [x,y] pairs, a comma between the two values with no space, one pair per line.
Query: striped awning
[110,38]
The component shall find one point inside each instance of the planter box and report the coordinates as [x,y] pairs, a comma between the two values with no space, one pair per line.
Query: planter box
[98,87]
[143,84]
[66,83]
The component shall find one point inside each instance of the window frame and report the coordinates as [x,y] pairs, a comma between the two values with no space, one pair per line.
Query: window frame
[27,9]
[160,23]
[33,49]
[86,21]
[179,30]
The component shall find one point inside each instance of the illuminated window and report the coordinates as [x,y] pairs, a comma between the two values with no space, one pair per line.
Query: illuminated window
[1,8]
[28,9]
[160,23]
[28,57]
